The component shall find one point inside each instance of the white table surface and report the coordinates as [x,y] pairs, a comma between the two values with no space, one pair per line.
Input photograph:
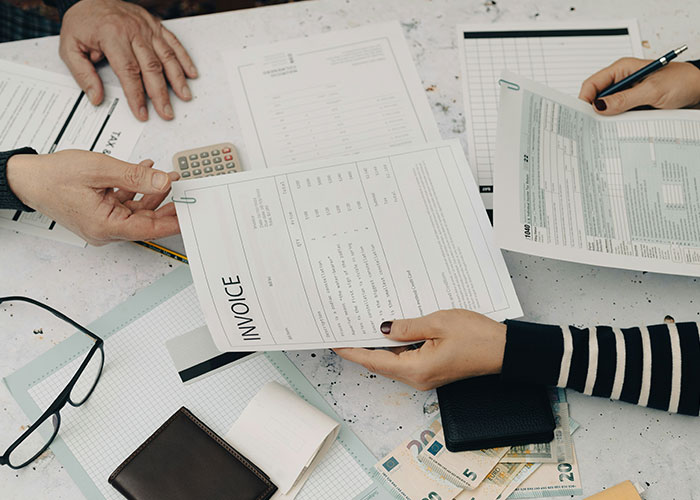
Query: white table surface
[616,441]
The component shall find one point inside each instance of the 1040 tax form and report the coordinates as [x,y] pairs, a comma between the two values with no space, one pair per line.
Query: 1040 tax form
[320,254]
[619,191]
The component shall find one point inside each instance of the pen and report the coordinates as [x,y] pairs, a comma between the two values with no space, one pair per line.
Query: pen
[646,70]
[162,250]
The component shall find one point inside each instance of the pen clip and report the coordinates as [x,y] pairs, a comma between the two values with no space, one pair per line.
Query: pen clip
[509,85]
[184,199]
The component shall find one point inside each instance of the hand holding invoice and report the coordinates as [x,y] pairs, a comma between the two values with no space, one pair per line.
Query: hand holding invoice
[675,86]
[457,344]
[141,51]
[77,190]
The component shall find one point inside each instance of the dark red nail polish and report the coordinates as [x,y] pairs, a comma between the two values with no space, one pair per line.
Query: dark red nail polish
[386,327]
[600,105]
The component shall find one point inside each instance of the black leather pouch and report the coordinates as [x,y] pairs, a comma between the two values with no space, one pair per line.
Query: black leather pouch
[185,460]
[486,412]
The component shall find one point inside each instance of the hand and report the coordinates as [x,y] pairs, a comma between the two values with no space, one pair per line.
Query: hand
[458,344]
[75,188]
[675,86]
[139,49]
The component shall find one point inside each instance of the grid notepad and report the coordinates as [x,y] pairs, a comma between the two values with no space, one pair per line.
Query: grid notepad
[140,389]
[561,57]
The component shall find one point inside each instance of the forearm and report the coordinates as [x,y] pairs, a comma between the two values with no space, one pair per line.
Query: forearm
[656,366]
[8,199]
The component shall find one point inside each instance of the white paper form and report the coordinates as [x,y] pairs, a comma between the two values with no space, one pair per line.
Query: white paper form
[48,112]
[319,255]
[330,95]
[609,191]
[559,55]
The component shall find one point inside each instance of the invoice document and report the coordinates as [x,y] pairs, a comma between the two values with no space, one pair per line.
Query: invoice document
[619,191]
[319,255]
[330,95]
[48,112]
[559,55]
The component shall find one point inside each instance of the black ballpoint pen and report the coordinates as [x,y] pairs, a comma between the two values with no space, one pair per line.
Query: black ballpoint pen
[638,75]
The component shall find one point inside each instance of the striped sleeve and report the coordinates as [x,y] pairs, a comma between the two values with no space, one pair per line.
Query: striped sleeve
[656,366]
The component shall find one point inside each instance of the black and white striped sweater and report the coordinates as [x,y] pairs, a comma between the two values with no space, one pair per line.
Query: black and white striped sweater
[656,366]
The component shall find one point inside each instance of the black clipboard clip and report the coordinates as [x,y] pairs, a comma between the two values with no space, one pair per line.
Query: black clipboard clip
[509,85]
[184,199]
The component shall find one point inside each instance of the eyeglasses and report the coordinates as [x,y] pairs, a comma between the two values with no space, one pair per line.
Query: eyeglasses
[37,438]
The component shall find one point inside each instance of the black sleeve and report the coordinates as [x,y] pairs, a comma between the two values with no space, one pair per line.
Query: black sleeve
[656,366]
[61,5]
[695,63]
[7,197]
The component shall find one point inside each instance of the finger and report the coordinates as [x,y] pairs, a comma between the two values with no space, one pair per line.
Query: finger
[376,360]
[166,210]
[410,330]
[173,69]
[83,72]
[111,173]
[123,61]
[181,53]
[642,94]
[143,226]
[601,80]
[153,79]
[123,195]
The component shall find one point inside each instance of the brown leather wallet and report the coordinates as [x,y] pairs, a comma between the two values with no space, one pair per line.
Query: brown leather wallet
[184,460]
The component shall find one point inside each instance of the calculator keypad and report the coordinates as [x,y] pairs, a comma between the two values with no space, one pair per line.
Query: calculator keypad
[217,159]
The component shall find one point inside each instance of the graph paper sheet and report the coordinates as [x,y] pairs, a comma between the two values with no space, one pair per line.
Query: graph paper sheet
[557,55]
[140,389]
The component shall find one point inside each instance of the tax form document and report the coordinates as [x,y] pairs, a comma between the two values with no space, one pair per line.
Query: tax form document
[48,112]
[319,255]
[558,55]
[609,191]
[330,95]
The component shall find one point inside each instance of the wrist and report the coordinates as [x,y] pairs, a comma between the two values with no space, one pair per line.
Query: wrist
[21,169]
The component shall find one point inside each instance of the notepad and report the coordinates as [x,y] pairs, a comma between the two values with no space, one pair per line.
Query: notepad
[560,56]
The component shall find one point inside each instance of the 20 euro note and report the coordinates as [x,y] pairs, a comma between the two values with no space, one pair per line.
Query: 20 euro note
[496,481]
[410,479]
[562,479]
[465,468]
[560,449]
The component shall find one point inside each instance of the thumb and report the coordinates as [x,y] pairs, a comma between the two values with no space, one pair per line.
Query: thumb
[619,102]
[409,330]
[83,70]
[131,177]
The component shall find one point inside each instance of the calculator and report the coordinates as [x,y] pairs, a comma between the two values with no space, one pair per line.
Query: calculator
[217,159]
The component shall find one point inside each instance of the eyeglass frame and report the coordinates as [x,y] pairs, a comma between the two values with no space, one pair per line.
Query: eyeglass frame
[64,396]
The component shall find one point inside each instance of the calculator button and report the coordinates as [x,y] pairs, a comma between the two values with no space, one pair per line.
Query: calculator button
[219,167]
[184,166]
[230,165]
[208,175]
[193,157]
[206,162]
[208,169]
[217,159]
[195,164]
[182,160]
[204,155]
[226,150]
[228,157]
[185,174]
[215,152]
[196,172]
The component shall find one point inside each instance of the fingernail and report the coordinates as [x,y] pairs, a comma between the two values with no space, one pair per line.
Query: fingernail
[194,72]
[91,95]
[386,327]
[143,113]
[186,92]
[159,180]
[168,110]
[600,105]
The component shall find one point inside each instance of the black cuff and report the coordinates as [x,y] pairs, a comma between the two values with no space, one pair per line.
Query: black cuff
[533,352]
[61,5]
[7,197]
[695,63]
